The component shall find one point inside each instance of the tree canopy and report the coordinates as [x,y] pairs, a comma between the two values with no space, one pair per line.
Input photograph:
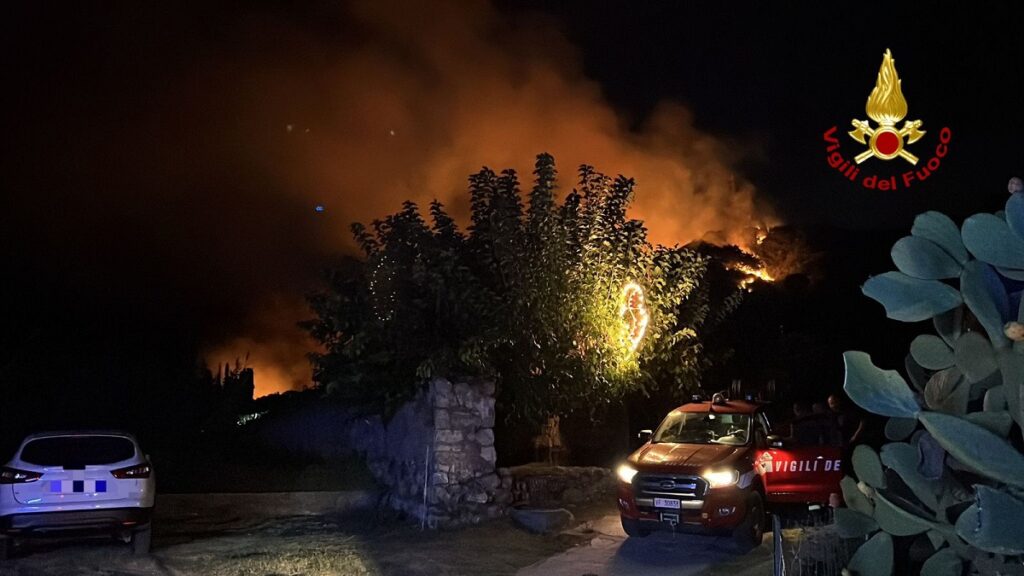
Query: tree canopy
[530,295]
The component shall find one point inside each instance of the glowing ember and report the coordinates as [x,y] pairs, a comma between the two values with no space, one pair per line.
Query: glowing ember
[753,275]
[633,312]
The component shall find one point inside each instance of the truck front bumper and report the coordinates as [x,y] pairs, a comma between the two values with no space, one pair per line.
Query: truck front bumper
[721,510]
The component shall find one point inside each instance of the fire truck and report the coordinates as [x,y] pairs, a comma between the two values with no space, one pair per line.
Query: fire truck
[716,466]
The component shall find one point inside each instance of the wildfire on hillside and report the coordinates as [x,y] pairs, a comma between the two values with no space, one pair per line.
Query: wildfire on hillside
[775,254]
[753,275]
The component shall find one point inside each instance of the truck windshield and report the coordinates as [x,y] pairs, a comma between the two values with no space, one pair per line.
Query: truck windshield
[704,428]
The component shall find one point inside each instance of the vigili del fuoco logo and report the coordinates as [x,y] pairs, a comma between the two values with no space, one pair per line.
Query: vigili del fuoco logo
[885,141]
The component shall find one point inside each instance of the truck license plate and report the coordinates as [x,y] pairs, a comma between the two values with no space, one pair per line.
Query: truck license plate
[666,503]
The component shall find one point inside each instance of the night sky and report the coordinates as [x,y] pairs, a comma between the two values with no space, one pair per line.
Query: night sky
[163,162]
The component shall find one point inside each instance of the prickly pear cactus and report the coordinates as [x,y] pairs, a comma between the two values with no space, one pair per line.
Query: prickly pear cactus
[953,475]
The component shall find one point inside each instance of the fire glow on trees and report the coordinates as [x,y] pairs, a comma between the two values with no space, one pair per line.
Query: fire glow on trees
[633,311]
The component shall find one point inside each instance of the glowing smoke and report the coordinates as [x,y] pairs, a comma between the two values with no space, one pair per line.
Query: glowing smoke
[210,162]
[429,93]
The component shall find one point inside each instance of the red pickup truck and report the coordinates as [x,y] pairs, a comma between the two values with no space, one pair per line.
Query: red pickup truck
[715,467]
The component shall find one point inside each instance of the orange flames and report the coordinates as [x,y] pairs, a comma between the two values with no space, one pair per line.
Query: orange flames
[428,94]
[753,275]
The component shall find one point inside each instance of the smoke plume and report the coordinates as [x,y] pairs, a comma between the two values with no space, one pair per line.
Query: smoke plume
[240,146]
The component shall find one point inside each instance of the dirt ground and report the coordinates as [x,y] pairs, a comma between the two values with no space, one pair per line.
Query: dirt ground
[239,542]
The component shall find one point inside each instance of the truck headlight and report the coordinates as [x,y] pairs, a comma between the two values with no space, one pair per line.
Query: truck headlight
[721,478]
[625,473]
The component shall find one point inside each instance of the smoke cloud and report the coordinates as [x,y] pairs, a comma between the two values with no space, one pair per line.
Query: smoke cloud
[204,172]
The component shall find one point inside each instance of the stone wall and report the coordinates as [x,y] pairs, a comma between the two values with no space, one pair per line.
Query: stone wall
[435,457]
[545,486]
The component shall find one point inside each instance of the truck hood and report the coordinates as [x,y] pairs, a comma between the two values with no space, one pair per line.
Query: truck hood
[696,456]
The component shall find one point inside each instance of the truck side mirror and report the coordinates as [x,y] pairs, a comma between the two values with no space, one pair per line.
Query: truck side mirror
[645,435]
[775,441]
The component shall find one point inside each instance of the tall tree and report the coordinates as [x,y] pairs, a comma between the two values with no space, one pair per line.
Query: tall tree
[534,298]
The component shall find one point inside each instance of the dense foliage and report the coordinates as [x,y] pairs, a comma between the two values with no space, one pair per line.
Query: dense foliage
[531,295]
[951,482]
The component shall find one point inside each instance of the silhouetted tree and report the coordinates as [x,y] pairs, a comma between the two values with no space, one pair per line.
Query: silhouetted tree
[532,297]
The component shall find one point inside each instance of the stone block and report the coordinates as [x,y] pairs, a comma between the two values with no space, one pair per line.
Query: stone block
[485,436]
[442,418]
[462,418]
[441,390]
[448,436]
[489,455]
[477,495]
[486,415]
[489,482]
[542,521]
[440,495]
[462,473]
[451,458]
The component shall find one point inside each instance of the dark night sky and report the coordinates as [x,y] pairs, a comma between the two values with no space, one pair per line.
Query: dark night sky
[144,202]
[782,76]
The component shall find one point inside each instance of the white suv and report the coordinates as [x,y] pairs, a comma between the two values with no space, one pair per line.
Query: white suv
[68,482]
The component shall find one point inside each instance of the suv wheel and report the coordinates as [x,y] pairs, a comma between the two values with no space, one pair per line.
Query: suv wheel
[632,528]
[750,532]
[141,540]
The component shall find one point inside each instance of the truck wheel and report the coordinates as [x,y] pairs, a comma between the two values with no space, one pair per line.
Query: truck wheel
[749,533]
[141,540]
[632,528]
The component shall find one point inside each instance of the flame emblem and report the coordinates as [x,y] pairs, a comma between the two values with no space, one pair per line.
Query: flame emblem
[886,106]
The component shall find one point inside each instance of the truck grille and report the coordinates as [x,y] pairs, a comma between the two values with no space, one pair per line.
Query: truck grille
[649,486]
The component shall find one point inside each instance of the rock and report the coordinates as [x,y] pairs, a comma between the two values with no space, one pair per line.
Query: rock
[448,436]
[485,436]
[487,414]
[478,495]
[488,454]
[441,387]
[542,521]
[442,418]
[572,495]
[463,418]
[490,482]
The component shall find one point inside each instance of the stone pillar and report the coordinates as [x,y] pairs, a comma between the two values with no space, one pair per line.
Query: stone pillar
[447,434]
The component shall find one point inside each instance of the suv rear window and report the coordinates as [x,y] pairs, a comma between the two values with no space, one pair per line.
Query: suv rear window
[77,451]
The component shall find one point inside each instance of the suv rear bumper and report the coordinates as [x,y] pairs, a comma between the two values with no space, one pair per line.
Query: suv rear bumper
[74,521]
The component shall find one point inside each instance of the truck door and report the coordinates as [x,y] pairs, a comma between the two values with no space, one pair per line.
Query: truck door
[799,471]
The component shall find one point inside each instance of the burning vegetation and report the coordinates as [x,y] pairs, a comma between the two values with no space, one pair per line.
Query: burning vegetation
[400,112]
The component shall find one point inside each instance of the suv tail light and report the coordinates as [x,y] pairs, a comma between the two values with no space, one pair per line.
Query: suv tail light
[15,476]
[138,471]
